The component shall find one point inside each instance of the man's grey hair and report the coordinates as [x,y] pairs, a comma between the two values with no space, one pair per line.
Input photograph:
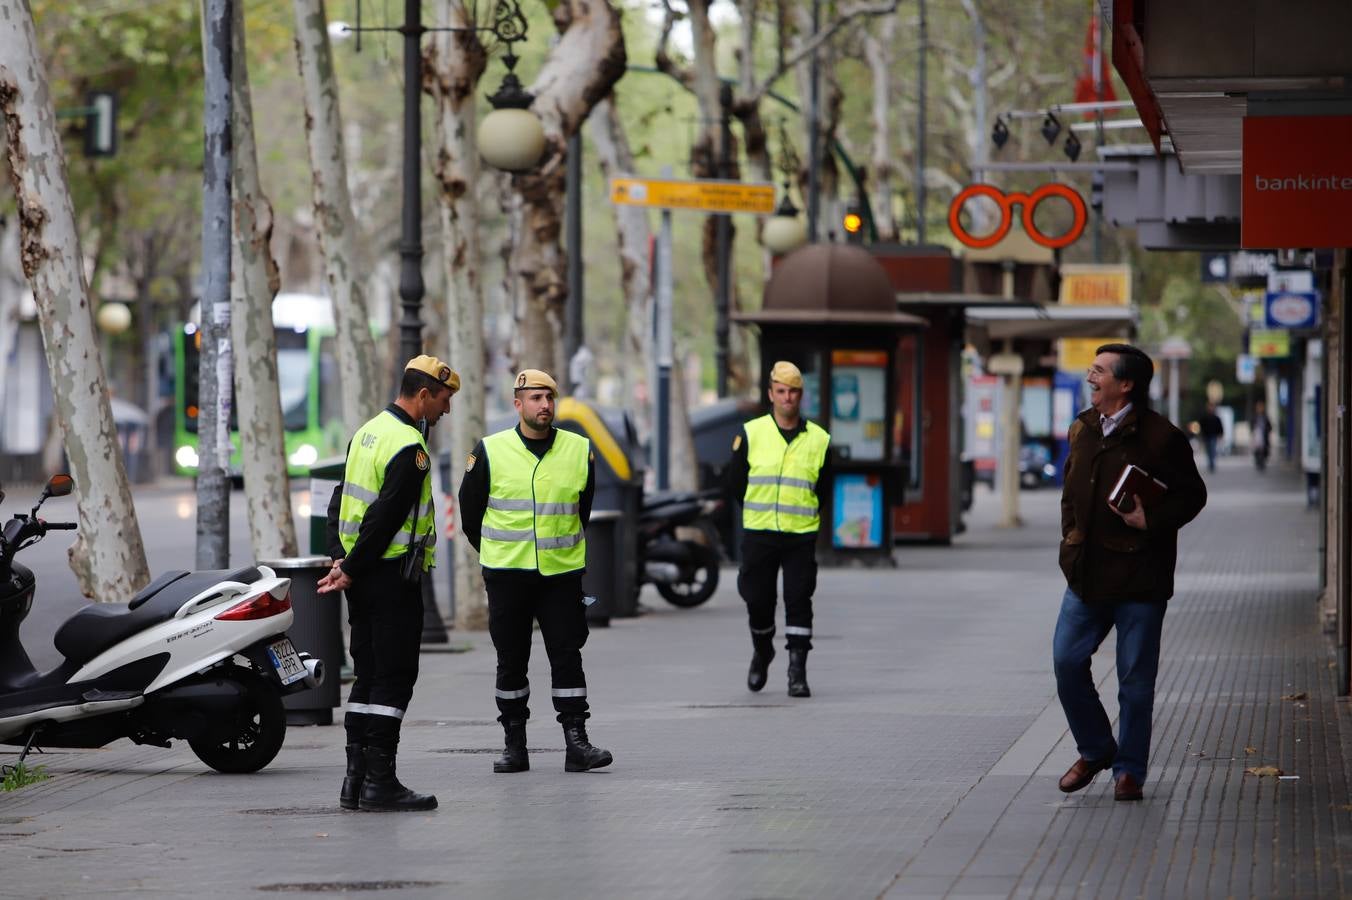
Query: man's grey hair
[1132,365]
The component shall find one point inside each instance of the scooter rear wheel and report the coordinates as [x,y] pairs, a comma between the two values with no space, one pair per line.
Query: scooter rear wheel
[257,731]
[701,582]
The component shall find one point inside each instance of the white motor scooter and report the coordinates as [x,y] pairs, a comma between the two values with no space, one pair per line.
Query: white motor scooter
[199,656]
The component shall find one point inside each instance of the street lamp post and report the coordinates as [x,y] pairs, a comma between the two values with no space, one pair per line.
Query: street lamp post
[411,286]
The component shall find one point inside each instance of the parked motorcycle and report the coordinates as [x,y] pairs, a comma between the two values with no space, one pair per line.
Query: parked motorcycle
[198,656]
[678,545]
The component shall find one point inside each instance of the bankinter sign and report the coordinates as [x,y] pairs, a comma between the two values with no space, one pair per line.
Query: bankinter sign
[1297,182]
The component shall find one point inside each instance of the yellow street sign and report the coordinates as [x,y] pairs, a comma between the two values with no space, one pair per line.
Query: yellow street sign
[1269,344]
[1090,285]
[705,196]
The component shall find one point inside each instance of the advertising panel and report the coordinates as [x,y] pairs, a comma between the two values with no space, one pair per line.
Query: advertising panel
[1090,285]
[1297,182]
[857,511]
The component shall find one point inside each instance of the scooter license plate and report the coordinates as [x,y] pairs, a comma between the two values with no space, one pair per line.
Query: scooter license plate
[286,661]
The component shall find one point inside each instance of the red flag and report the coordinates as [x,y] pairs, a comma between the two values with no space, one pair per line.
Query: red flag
[1085,91]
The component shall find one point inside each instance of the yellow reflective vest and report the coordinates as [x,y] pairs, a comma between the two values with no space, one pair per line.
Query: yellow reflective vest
[373,446]
[533,519]
[781,482]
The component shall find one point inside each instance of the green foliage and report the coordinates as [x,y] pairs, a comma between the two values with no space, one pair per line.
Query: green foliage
[20,776]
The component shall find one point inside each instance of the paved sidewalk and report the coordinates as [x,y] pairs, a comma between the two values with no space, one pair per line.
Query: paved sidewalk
[925,764]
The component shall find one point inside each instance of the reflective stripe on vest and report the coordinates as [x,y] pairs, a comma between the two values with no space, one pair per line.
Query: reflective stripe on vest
[533,519]
[373,446]
[782,482]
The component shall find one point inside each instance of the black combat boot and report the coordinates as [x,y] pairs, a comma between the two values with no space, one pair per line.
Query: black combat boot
[798,673]
[760,666]
[514,758]
[581,755]
[349,796]
[382,792]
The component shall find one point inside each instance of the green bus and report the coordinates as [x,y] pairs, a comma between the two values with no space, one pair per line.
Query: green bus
[307,374]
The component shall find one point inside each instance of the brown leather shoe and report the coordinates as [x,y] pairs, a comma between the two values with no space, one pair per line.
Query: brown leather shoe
[1081,773]
[1127,788]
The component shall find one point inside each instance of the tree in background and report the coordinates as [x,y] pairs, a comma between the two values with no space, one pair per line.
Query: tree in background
[254,282]
[453,64]
[108,557]
[359,369]
[579,72]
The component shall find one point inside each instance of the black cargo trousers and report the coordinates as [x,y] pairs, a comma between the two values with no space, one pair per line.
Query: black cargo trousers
[516,600]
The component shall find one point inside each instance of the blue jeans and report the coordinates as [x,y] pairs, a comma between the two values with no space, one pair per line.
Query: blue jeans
[1080,628]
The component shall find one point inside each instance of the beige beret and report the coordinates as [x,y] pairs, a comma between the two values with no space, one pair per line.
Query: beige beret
[786,373]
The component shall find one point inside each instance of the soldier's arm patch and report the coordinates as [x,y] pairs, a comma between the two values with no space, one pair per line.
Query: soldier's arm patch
[736,442]
[421,461]
[469,462]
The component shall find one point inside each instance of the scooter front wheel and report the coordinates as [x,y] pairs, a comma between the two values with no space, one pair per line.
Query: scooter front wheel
[700,581]
[255,733]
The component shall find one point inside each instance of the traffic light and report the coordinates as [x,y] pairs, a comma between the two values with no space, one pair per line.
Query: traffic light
[853,223]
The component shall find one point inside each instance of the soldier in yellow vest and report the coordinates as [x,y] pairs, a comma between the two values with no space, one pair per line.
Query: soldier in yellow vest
[775,473]
[524,502]
[382,537]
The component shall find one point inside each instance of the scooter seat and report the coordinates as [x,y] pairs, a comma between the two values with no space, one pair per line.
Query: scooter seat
[98,626]
[154,587]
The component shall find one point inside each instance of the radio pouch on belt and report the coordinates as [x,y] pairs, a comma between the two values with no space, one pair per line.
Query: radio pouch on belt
[411,566]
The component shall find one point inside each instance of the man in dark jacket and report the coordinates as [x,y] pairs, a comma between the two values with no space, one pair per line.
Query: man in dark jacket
[1119,565]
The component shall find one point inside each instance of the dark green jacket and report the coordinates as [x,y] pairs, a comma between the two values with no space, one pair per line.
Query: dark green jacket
[1105,560]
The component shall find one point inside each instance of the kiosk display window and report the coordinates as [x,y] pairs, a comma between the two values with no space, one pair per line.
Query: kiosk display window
[859,404]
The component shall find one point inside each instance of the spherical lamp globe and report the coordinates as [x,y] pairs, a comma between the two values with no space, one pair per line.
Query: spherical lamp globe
[784,234]
[113,318]
[512,140]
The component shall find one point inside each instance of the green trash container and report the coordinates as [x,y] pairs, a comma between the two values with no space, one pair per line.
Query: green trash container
[325,475]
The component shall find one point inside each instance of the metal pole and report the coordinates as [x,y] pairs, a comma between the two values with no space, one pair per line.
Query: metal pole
[723,244]
[215,374]
[411,287]
[574,333]
[813,139]
[662,434]
[920,129]
[1096,189]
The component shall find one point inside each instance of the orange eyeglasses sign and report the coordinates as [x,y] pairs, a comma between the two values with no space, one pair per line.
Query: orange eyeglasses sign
[1029,203]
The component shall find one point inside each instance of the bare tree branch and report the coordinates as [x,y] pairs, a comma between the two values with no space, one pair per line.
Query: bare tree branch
[683,75]
[805,48]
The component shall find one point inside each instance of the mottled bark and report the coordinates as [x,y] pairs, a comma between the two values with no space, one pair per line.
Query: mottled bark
[108,556]
[253,283]
[452,68]
[634,236]
[582,67]
[879,50]
[358,363]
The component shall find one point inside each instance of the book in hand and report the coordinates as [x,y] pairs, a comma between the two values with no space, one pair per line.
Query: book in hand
[1135,482]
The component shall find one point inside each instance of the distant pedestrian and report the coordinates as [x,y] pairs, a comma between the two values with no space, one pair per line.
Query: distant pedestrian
[524,504]
[382,537]
[1119,566]
[776,475]
[1212,431]
[1260,430]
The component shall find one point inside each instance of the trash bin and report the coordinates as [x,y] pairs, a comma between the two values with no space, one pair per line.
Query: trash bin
[612,533]
[605,576]
[325,475]
[317,629]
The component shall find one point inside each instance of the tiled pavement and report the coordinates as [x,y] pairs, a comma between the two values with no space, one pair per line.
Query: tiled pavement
[924,765]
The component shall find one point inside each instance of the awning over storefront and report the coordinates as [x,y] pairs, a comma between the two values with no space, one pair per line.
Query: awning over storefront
[1050,321]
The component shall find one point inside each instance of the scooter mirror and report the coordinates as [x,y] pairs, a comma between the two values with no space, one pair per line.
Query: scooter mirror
[60,485]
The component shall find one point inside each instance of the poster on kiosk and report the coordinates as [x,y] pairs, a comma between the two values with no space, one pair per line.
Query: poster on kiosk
[858,435]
